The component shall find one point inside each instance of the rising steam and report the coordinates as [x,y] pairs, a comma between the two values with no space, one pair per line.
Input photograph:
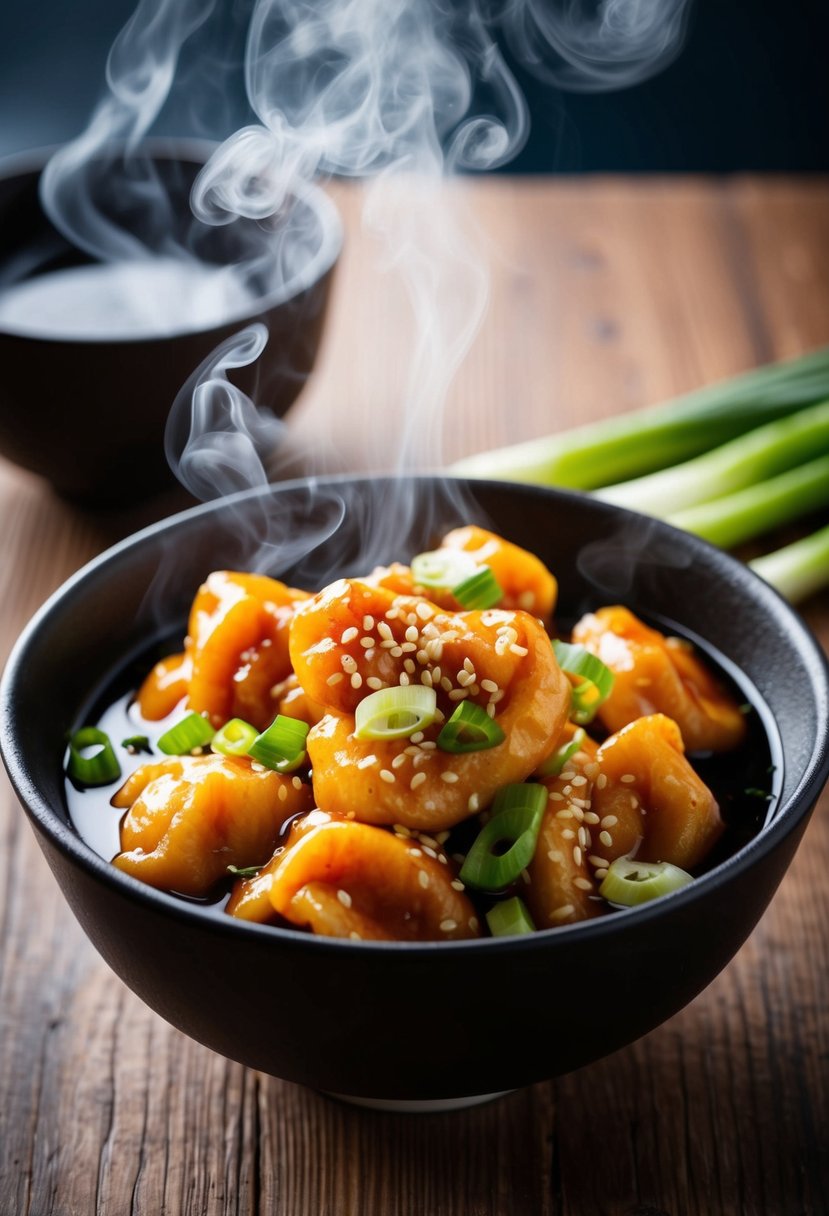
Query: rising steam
[397,93]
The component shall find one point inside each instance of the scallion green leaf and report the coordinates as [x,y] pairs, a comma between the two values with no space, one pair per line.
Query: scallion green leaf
[92,759]
[243,871]
[509,918]
[479,592]
[186,736]
[516,822]
[593,681]
[235,738]
[395,713]
[470,729]
[630,882]
[553,765]
[137,743]
[282,746]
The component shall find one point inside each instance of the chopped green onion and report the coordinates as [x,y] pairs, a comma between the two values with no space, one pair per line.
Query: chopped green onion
[630,882]
[137,743]
[442,569]
[92,760]
[186,736]
[552,766]
[243,871]
[235,738]
[594,681]
[282,746]
[395,713]
[479,592]
[516,822]
[509,918]
[470,729]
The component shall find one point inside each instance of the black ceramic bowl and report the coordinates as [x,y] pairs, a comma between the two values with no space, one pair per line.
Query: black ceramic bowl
[411,1022]
[89,412]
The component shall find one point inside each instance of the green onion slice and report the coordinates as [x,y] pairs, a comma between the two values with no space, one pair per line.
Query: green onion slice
[137,743]
[243,871]
[630,882]
[235,738]
[92,760]
[442,569]
[516,823]
[594,681]
[395,713]
[552,766]
[470,729]
[509,918]
[480,591]
[282,746]
[186,736]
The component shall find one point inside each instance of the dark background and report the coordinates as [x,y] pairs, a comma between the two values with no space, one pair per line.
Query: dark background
[750,90]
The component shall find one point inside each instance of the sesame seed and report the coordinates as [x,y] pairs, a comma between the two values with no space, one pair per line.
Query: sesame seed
[601,874]
[387,776]
[449,778]
[458,694]
[355,936]
[356,680]
[366,762]
[584,884]
[591,817]
[408,648]
[368,622]
[428,746]
[426,678]
[609,821]
[404,679]
[473,923]
[582,837]
[283,793]
[489,686]
[525,877]
[422,657]
[415,852]
[409,666]
[521,651]
[526,600]
[392,614]
[412,633]
[396,652]
[349,635]
[565,813]
[348,663]
[411,619]
[556,796]
[606,839]
[417,780]
[595,860]
[399,759]
[384,630]
[423,878]
[563,912]
[447,926]
[430,852]
[576,851]
[474,802]
[367,643]
[296,783]
[490,709]
[344,898]
[446,684]
[375,682]
[580,780]
[627,778]
[601,781]
[334,679]
[424,612]
[568,834]
[457,885]
[400,829]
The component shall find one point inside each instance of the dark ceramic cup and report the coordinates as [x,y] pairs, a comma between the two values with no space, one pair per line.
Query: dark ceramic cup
[89,412]
[409,1024]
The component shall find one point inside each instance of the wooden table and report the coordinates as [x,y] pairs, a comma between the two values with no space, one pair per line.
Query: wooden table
[606,294]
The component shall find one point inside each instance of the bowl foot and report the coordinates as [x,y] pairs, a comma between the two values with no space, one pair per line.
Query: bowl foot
[424,1106]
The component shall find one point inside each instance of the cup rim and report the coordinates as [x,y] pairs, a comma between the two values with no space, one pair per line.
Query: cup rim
[192,150]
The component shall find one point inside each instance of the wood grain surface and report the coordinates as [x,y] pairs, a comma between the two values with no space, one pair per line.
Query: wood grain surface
[605,294]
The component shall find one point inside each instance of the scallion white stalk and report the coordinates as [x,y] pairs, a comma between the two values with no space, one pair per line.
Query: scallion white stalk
[799,569]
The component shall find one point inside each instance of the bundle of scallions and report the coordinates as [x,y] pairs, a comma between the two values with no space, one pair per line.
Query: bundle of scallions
[729,462]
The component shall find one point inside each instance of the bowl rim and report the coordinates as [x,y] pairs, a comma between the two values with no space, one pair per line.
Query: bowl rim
[786,819]
[191,150]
